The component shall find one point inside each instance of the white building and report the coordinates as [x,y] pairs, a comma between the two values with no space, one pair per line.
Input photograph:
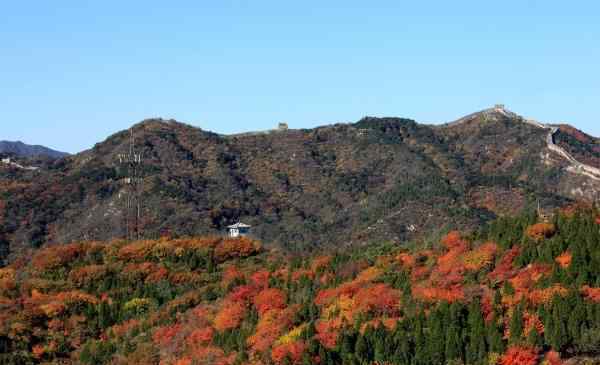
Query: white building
[239,229]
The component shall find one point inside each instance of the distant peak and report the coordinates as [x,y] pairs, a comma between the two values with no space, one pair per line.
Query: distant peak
[21,149]
[155,122]
[496,112]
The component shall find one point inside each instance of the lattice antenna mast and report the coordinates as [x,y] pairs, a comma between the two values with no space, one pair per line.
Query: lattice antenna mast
[132,163]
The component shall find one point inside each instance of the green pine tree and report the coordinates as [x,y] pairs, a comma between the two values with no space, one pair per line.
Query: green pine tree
[516,325]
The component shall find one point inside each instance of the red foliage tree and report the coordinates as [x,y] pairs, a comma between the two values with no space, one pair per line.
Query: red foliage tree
[379,298]
[231,274]
[553,358]
[590,293]
[163,336]
[269,299]
[242,293]
[292,351]
[505,269]
[260,279]
[518,355]
[200,336]
[328,332]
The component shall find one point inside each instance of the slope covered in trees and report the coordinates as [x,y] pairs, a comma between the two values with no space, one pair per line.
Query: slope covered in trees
[516,291]
[379,179]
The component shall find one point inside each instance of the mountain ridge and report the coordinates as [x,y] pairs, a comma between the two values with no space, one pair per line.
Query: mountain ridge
[21,149]
[379,179]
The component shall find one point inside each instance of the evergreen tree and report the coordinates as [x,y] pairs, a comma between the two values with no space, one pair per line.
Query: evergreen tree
[557,332]
[362,350]
[516,325]
[435,342]
[476,348]
[534,339]
[495,336]
[421,355]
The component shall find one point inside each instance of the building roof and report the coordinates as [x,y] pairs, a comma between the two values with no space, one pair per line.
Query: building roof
[238,225]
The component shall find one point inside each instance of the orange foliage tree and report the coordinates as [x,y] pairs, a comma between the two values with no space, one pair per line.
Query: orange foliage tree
[230,316]
[564,259]
[480,257]
[407,260]
[320,263]
[430,293]
[543,296]
[540,231]
[454,240]
[56,256]
[270,327]
[236,247]
[532,322]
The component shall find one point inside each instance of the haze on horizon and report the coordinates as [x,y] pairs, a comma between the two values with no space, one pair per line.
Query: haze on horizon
[72,73]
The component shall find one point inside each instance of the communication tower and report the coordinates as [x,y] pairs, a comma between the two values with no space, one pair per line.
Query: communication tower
[131,165]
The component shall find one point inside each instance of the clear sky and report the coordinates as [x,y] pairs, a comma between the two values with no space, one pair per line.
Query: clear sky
[74,72]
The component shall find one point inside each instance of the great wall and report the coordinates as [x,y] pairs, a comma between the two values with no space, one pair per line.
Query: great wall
[9,162]
[575,166]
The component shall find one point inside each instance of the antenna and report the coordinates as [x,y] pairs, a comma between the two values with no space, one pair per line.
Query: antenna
[132,214]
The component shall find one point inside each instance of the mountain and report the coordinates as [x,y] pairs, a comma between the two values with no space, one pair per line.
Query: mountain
[21,149]
[523,290]
[376,180]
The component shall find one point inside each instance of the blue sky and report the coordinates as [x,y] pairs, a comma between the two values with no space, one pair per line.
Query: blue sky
[74,72]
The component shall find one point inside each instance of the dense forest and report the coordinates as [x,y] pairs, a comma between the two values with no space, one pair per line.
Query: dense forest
[519,290]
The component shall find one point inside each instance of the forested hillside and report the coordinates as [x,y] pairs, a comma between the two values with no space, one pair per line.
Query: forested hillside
[519,290]
[376,180]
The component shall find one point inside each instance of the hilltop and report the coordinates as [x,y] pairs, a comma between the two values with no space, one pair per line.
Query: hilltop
[375,180]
